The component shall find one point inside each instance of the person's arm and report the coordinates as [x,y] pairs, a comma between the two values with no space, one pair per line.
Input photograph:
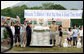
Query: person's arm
[14,30]
[78,34]
[72,32]
[19,30]
[56,28]
[49,26]
[26,28]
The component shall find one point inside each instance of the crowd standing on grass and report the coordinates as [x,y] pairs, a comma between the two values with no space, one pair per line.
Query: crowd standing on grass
[22,34]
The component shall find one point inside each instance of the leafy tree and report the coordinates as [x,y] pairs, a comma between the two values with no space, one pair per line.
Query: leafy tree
[6,33]
[77,22]
[36,7]
[53,6]
[47,5]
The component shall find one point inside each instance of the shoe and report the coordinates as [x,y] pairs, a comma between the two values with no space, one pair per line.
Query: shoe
[74,46]
[21,45]
[51,41]
[15,45]
[24,45]
[58,46]
[70,45]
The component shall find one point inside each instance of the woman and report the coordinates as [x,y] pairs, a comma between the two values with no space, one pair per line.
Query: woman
[13,32]
[24,34]
[69,38]
[28,30]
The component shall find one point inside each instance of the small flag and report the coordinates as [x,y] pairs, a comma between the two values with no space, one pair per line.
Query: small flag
[18,17]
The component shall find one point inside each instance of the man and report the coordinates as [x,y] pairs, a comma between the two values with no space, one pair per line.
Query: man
[29,31]
[75,34]
[17,33]
[53,28]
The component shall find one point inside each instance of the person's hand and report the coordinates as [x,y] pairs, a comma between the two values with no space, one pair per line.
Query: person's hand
[78,36]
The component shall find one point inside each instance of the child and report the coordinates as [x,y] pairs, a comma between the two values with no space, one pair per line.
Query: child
[69,38]
[60,36]
[81,34]
[75,34]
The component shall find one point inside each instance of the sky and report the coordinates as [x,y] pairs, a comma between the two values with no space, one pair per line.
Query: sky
[69,4]
[5,4]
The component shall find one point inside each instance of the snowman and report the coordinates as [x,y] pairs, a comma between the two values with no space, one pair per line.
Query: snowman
[79,43]
[65,44]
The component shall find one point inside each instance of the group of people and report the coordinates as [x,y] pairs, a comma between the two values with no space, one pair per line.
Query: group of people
[22,34]
[73,35]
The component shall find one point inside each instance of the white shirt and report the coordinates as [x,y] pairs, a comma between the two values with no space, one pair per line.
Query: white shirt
[70,33]
[12,29]
[80,32]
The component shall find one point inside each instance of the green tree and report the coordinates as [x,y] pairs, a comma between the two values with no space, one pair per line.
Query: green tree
[77,22]
[36,7]
[6,33]
[53,6]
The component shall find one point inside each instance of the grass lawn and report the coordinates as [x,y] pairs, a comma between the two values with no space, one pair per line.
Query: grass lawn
[53,49]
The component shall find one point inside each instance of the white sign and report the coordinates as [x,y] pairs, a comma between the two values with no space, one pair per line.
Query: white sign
[71,14]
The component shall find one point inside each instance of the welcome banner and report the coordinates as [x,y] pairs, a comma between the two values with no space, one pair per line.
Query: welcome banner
[71,14]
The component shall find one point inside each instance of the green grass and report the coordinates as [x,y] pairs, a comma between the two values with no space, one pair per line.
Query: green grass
[53,49]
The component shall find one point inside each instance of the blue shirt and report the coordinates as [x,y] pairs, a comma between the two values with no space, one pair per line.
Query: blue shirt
[75,32]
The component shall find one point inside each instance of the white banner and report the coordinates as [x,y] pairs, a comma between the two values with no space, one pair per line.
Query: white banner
[71,14]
